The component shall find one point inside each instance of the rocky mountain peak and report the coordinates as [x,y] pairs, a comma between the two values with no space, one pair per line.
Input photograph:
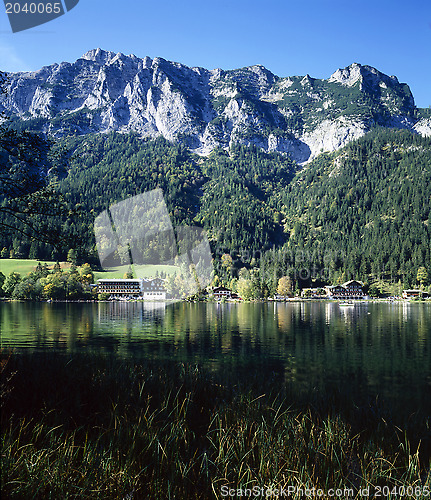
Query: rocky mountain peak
[347,76]
[364,74]
[307,80]
[99,56]
[299,116]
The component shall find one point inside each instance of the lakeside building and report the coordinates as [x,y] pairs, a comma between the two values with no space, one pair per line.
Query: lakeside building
[350,290]
[411,294]
[148,288]
[154,289]
[313,293]
[120,288]
[221,292]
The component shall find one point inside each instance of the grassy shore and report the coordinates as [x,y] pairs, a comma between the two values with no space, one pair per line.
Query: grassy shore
[100,427]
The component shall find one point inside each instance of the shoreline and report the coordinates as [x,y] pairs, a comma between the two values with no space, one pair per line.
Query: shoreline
[173,301]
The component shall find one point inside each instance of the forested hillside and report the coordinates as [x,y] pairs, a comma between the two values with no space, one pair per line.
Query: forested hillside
[233,195]
[362,212]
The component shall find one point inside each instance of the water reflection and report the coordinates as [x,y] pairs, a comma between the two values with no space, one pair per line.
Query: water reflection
[382,348]
[130,311]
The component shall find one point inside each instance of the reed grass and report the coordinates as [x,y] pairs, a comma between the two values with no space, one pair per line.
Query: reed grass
[102,427]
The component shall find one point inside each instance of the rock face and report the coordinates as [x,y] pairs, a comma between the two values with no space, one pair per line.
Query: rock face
[423,127]
[300,116]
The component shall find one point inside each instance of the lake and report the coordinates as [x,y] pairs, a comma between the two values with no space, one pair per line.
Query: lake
[373,349]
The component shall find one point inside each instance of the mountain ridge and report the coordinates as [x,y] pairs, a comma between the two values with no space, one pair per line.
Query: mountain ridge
[299,116]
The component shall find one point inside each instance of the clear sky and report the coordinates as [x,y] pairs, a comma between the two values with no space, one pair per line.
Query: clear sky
[289,37]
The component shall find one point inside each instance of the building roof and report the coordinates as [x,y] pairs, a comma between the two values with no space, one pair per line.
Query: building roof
[346,284]
[121,280]
[221,289]
[353,281]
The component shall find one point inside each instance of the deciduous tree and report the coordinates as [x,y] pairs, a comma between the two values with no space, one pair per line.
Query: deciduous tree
[284,286]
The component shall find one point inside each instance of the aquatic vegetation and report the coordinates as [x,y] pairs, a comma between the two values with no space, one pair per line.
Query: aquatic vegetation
[101,427]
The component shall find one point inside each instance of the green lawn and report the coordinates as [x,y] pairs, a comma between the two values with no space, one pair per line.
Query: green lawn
[24,266]
[139,271]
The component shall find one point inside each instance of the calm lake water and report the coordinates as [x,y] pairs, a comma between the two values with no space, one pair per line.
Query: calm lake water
[376,349]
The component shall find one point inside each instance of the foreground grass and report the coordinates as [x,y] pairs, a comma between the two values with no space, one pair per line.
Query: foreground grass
[85,427]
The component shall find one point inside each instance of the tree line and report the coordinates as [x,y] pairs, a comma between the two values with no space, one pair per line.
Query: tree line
[53,284]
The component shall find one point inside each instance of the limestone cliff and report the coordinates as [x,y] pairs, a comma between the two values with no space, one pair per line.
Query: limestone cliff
[299,116]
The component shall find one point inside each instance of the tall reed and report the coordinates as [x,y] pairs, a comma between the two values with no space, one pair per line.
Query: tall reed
[101,427]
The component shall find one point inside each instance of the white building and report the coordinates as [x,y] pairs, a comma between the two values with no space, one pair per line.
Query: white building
[350,290]
[147,288]
[154,289]
[120,288]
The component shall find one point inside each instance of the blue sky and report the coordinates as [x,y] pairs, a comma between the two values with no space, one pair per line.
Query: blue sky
[288,37]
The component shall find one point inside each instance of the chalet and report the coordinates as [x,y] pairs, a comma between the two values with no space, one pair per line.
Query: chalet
[220,292]
[410,294]
[335,291]
[350,290]
[154,289]
[355,288]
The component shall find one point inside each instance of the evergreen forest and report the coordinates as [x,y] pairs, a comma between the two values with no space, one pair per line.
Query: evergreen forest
[362,212]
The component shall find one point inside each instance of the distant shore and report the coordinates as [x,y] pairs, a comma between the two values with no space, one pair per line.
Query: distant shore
[209,301]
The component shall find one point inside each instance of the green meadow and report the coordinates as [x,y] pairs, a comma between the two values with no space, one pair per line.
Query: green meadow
[138,271]
[25,266]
